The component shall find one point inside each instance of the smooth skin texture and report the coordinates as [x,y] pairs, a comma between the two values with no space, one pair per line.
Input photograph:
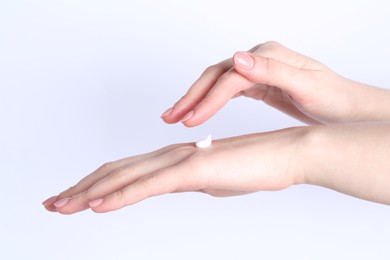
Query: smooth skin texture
[293,83]
[346,149]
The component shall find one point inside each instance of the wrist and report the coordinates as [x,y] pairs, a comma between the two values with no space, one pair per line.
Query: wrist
[373,104]
[348,158]
[297,149]
[311,148]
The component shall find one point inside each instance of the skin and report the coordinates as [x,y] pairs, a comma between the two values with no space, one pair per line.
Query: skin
[344,149]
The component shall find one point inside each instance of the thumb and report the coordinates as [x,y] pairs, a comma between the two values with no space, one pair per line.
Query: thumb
[268,71]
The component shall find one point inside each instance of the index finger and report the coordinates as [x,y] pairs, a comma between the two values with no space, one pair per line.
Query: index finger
[226,87]
[197,92]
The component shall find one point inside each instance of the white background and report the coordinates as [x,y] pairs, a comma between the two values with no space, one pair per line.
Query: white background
[84,82]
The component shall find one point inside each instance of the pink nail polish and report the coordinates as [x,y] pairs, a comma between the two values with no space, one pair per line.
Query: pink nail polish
[95,203]
[167,113]
[243,60]
[61,203]
[49,201]
[188,116]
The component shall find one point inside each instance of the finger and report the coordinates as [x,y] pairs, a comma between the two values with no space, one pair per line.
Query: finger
[122,177]
[229,85]
[49,202]
[98,174]
[82,185]
[197,92]
[161,182]
[268,71]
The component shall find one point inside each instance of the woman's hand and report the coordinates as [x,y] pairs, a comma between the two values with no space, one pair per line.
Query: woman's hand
[352,159]
[234,166]
[293,83]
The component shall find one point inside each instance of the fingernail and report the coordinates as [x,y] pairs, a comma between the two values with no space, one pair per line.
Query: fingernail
[95,203]
[167,113]
[61,203]
[188,116]
[49,201]
[243,60]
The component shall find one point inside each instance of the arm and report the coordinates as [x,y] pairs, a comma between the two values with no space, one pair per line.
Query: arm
[351,159]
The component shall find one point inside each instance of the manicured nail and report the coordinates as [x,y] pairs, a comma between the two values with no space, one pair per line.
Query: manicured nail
[243,60]
[167,113]
[188,116]
[95,203]
[49,201]
[61,203]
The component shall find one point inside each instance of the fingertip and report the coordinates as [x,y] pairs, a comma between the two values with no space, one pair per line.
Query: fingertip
[173,119]
[188,120]
[196,118]
[109,203]
[169,120]
[50,201]
[188,116]
[62,202]
[167,116]
[190,124]
[51,208]
[48,204]
[100,209]
[96,203]
[167,112]
[243,60]
[174,115]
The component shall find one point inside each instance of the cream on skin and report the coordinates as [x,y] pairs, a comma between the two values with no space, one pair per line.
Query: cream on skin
[205,142]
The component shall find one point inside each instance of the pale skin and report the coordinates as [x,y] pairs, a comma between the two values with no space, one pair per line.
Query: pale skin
[346,146]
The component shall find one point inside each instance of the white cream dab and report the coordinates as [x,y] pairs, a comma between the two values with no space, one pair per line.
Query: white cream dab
[205,142]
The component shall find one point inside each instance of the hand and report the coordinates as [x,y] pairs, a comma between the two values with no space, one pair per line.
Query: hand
[239,165]
[293,83]
[267,161]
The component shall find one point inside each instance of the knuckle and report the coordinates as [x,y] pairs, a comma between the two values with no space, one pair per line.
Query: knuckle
[147,185]
[225,77]
[117,174]
[69,192]
[271,45]
[231,80]
[65,193]
[119,195]
[183,151]
[212,67]
[118,198]
[174,147]
[209,70]
[268,48]
[106,166]
[89,194]
[272,68]
[166,149]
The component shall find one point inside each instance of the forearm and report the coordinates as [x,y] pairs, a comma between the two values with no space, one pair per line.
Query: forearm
[372,103]
[352,159]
